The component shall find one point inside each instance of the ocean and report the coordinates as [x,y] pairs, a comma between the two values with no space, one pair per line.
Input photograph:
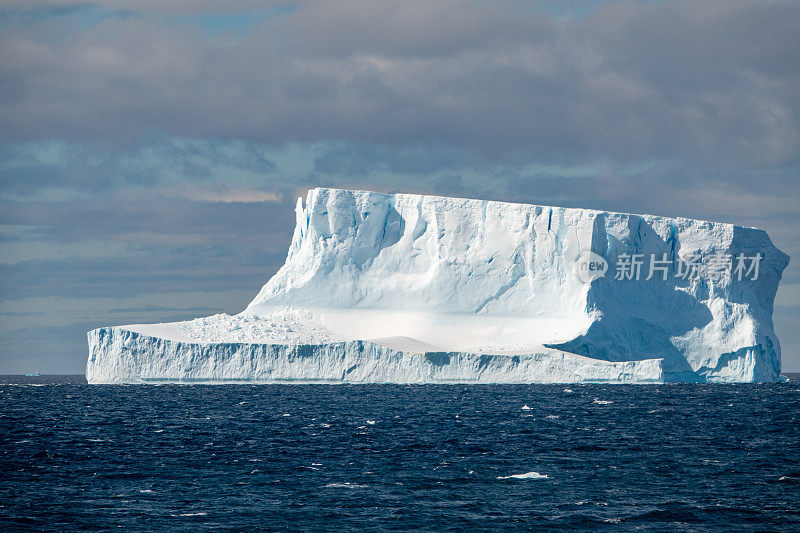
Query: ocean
[395,457]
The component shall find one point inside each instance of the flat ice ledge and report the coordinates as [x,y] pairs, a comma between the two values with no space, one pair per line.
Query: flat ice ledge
[119,355]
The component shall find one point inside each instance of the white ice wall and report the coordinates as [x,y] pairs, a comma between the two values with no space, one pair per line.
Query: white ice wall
[117,355]
[361,250]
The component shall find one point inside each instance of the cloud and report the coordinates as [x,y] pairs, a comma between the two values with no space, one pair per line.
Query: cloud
[143,6]
[152,152]
[235,196]
[629,80]
[788,295]
[49,333]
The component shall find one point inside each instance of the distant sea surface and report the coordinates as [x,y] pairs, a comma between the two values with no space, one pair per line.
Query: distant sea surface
[390,457]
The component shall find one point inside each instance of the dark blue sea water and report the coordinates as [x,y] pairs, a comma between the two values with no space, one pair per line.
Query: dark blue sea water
[387,457]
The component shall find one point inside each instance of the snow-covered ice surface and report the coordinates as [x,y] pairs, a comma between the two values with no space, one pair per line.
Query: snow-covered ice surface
[283,325]
[409,288]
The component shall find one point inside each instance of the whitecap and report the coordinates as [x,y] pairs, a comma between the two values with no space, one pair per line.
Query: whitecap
[552,417]
[191,514]
[527,475]
[602,402]
[346,485]
[568,391]
[146,491]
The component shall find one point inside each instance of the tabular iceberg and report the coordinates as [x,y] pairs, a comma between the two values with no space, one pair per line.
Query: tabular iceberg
[405,288]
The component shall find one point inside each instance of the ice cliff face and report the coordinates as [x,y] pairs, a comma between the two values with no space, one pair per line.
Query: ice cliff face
[409,275]
[153,360]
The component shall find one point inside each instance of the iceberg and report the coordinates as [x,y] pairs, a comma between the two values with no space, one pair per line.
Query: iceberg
[405,288]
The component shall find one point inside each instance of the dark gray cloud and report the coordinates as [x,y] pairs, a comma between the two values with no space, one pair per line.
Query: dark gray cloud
[702,80]
[113,217]
[167,246]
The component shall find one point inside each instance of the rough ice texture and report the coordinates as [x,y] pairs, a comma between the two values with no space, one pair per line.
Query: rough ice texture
[409,288]
[149,359]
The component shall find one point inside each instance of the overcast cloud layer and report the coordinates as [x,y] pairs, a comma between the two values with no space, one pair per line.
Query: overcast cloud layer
[149,158]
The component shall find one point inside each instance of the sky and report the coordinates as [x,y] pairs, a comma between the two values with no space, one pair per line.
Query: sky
[151,152]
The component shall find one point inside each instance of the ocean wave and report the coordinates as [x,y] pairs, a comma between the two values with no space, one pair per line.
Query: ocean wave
[527,475]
